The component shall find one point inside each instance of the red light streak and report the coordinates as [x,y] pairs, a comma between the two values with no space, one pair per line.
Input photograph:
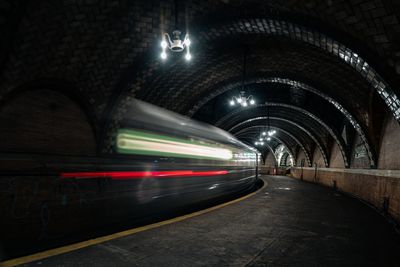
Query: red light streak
[127,175]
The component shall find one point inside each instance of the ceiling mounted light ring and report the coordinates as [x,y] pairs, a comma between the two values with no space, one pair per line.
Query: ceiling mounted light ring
[264,136]
[175,44]
[268,133]
[242,100]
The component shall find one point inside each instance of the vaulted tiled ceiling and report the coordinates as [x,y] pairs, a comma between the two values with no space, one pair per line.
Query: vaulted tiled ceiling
[318,65]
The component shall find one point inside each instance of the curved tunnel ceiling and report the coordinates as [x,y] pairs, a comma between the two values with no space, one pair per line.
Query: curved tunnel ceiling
[304,117]
[215,72]
[298,54]
[266,78]
[285,137]
[318,40]
[262,121]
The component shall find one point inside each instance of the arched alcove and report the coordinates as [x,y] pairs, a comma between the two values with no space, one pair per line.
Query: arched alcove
[43,121]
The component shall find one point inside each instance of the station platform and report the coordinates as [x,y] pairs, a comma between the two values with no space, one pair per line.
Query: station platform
[285,223]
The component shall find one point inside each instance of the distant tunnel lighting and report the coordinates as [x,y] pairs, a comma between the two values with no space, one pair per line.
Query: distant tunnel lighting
[243,100]
[163,55]
[261,138]
[271,132]
[142,143]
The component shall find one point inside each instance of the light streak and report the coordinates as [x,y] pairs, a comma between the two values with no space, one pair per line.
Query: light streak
[143,143]
[128,175]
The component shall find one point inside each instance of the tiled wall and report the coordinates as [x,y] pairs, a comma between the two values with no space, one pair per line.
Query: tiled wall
[377,187]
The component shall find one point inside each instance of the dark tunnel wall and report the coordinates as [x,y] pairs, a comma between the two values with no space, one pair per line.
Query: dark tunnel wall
[45,122]
[390,145]
[336,157]
[317,158]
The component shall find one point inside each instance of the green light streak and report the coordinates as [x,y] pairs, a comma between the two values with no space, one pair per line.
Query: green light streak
[145,143]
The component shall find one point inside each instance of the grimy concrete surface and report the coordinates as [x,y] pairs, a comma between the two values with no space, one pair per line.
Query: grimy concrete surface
[288,223]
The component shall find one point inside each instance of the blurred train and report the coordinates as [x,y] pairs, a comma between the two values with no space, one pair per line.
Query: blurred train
[164,164]
[176,157]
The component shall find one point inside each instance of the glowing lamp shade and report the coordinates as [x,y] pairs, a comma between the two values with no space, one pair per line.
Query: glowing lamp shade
[144,143]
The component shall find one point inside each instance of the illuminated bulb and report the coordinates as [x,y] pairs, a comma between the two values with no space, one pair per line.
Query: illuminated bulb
[268,138]
[188,56]
[264,133]
[256,143]
[163,55]
[232,103]
[270,133]
[252,102]
[239,100]
[260,139]
[164,44]
[244,104]
[262,143]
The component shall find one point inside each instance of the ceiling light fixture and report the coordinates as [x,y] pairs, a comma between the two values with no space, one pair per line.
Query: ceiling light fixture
[265,135]
[269,132]
[175,44]
[242,99]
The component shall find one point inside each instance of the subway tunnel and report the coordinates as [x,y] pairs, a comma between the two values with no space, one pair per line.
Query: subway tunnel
[218,132]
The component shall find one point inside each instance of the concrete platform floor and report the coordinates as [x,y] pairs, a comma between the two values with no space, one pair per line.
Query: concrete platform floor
[288,223]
